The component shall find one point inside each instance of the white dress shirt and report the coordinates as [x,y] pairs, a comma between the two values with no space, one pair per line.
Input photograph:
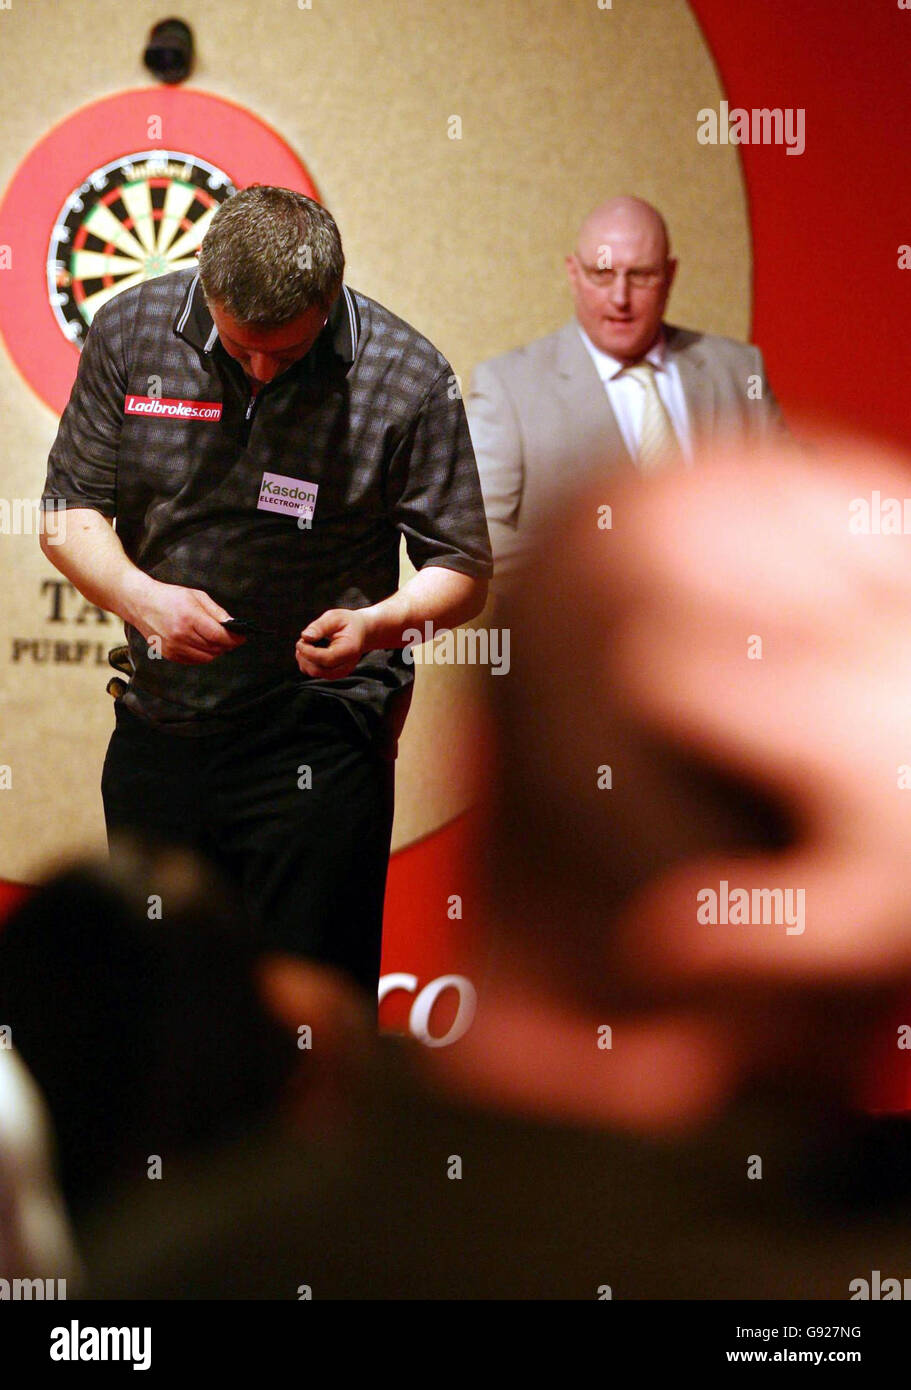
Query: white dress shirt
[627,396]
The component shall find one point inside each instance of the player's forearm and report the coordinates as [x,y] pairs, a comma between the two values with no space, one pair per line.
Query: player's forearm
[436,595]
[89,553]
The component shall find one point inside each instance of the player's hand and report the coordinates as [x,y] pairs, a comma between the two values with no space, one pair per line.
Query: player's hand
[184,625]
[346,630]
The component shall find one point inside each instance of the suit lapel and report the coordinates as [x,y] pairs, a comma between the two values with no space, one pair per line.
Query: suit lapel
[591,422]
[697,381]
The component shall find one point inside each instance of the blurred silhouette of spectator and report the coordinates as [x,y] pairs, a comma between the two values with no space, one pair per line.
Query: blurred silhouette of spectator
[131,991]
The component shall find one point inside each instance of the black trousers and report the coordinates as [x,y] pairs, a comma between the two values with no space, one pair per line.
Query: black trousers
[309,851]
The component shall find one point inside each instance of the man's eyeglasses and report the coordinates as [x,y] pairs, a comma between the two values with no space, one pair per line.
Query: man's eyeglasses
[604,277]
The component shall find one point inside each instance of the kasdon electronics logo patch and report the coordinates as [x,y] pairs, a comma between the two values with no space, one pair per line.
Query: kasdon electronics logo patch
[291,496]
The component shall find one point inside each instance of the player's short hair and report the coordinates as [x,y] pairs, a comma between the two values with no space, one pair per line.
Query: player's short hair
[270,254]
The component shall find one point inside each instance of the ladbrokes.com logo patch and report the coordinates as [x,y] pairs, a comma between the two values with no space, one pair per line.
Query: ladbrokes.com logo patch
[167,408]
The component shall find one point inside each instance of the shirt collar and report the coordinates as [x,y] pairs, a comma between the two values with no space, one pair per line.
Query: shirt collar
[341,333]
[609,367]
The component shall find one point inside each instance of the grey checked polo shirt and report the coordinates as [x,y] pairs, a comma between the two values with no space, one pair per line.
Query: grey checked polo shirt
[367,432]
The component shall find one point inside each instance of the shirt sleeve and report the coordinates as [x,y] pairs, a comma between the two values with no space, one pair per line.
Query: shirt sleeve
[82,464]
[434,491]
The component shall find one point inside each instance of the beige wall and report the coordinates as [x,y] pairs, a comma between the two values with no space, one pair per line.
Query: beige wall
[561,104]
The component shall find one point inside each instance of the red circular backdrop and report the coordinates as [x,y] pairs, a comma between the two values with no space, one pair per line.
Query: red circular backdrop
[117,127]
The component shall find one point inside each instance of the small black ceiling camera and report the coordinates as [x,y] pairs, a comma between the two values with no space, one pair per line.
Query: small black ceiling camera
[169,51]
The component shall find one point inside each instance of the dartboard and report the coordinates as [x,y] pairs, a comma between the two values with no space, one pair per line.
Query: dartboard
[130,220]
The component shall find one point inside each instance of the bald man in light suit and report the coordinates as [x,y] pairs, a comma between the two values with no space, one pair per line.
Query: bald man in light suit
[616,388]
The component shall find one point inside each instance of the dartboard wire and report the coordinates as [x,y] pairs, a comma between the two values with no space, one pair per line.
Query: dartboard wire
[93,302]
[137,199]
[98,265]
[191,239]
[147,242]
[178,200]
[103,223]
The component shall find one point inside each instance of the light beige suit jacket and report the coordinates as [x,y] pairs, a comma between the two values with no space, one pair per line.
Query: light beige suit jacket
[541,421]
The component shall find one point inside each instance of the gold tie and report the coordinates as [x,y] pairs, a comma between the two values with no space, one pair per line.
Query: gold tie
[658,442]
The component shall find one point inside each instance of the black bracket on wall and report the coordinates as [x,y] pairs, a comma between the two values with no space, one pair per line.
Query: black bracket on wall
[169,51]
